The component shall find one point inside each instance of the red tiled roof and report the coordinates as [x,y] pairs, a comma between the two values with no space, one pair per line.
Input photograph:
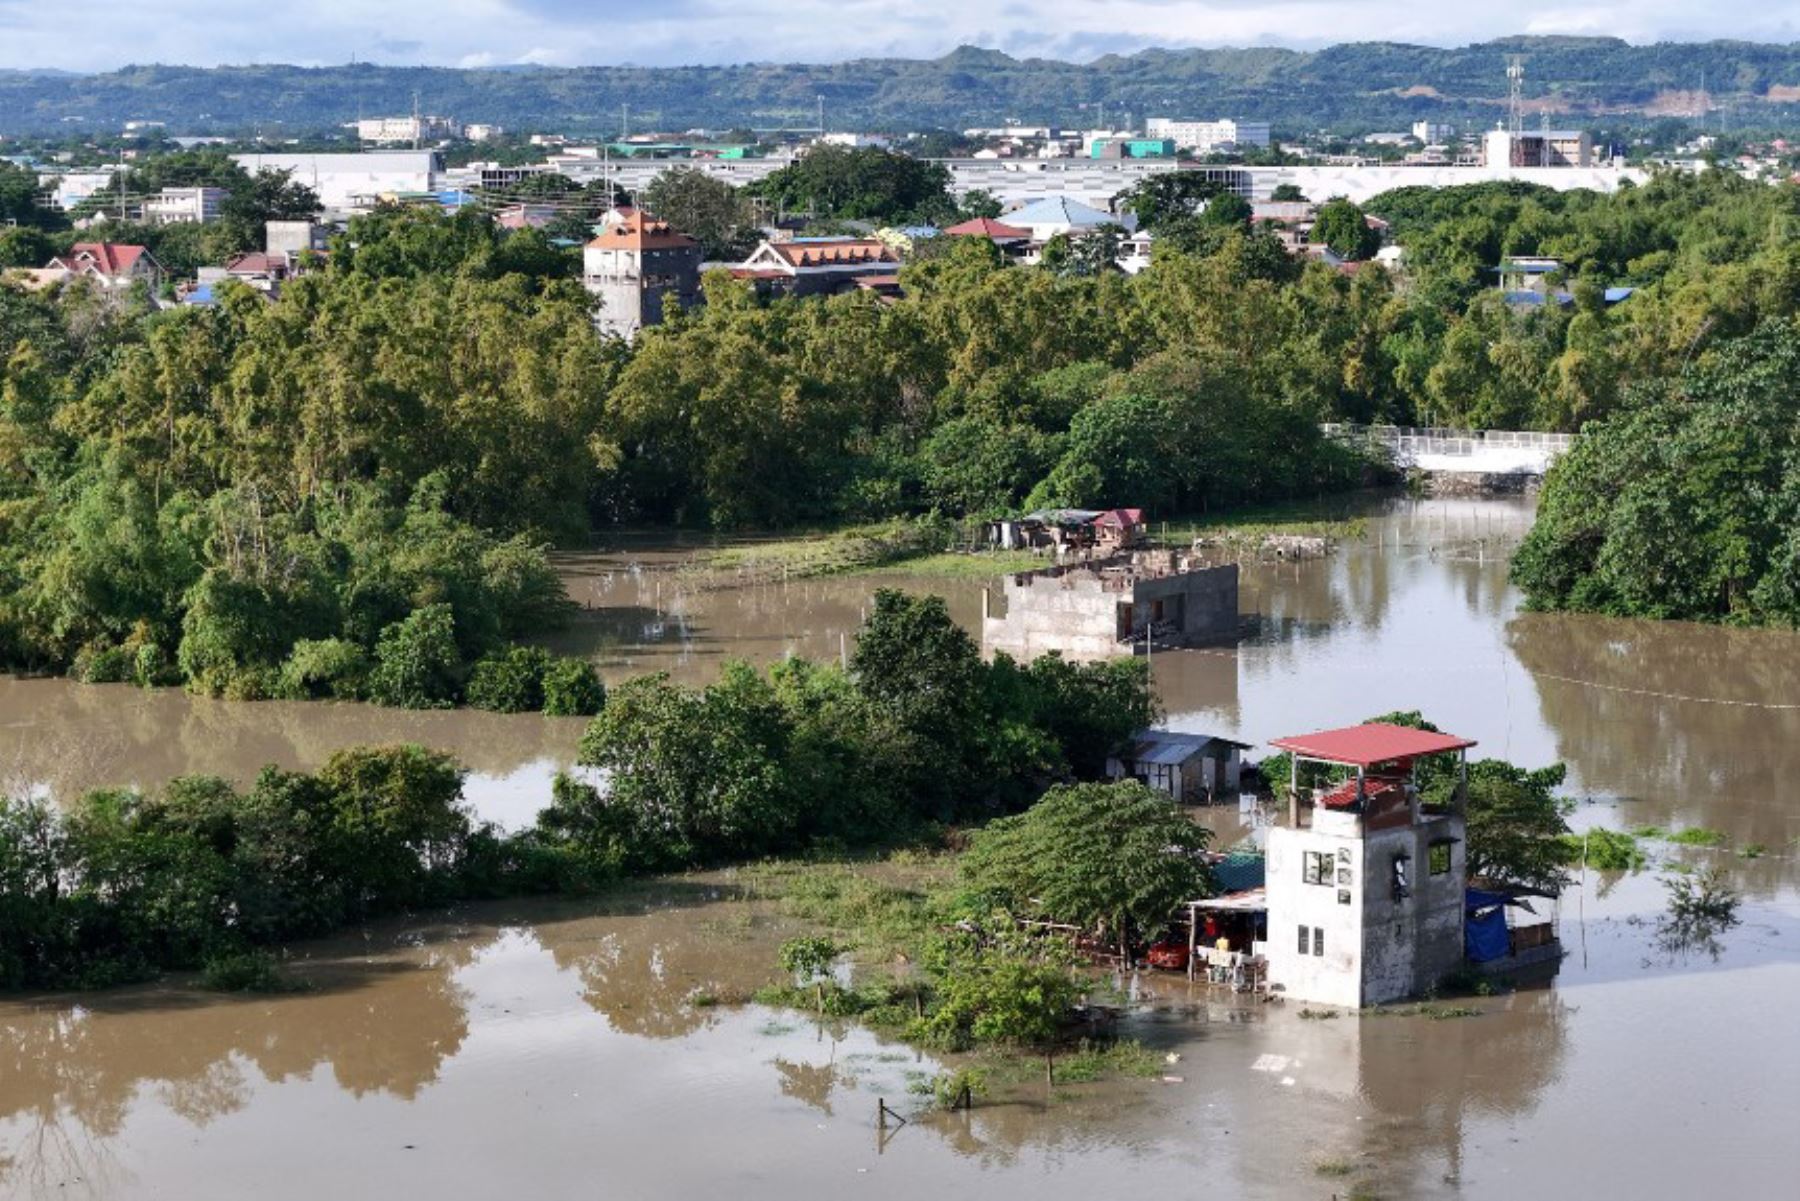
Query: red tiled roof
[257,263]
[1367,745]
[849,252]
[640,232]
[987,227]
[108,258]
[1120,517]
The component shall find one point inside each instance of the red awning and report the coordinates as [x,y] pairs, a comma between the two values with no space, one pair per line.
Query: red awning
[1367,745]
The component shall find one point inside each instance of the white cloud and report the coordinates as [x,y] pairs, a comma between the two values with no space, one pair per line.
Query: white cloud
[102,34]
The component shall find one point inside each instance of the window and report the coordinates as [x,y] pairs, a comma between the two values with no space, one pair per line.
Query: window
[1343,896]
[1315,867]
[1318,940]
[1402,885]
[1439,860]
[1305,939]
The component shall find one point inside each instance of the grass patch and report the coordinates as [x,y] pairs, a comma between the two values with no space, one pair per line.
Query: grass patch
[1335,1168]
[858,548]
[1754,850]
[1089,1062]
[887,917]
[1318,1015]
[1654,832]
[1698,836]
[965,565]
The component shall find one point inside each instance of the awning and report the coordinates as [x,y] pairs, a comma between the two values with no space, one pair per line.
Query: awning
[1252,900]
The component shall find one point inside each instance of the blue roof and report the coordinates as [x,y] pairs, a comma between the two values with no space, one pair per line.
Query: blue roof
[1615,295]
[201,295]
[1059,210]
[919,231]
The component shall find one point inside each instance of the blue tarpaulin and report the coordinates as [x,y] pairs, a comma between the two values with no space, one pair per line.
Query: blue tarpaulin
[1484,925]
[1484,935]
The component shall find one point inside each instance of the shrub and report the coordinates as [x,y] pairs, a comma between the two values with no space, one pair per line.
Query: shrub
[103,665]
[244,971]
[150,666]
[509,681]
[572,688]
[1604,850]
[325,667]
[417,664]
[992,997]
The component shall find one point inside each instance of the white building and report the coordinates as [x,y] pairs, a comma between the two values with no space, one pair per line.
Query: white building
[852,141]
[191,206]
[637,268]
[481,132]
[1433,133]
[70,188]
[397,131]
[1366,901]
[1206,137]
[347,182]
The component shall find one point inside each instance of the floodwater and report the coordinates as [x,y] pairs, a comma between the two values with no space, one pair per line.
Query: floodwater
[556,1050]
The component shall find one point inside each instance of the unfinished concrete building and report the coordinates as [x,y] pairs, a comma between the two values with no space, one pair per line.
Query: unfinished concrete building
[1111,606]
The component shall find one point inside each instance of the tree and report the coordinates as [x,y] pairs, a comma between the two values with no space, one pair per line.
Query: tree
[809,960]
[1113,859]
[707,209]
[868,183]
[417,662]
[1157,200]
[1287,193]
[1342,226]
[572,688]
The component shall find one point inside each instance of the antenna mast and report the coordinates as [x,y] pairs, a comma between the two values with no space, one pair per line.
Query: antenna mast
[1515,105]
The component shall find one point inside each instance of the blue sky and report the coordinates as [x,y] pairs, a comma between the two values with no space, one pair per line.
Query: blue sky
[92,35]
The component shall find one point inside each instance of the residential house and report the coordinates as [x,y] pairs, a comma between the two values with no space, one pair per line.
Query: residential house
[109,264]
[1045,219]
[1194,769]
[816,266]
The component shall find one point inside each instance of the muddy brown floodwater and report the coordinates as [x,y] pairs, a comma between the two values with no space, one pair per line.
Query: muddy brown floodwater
[554,1050]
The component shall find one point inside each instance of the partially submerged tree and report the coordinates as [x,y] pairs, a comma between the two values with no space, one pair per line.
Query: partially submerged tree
[1113,859]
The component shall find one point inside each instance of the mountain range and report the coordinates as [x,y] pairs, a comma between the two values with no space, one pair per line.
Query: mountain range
[1347,88]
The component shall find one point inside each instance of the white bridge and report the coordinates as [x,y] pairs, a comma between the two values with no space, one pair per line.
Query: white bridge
[1474,452]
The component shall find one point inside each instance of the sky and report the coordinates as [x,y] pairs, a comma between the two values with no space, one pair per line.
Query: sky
[100,35]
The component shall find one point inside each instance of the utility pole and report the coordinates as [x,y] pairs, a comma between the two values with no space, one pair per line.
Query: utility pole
[624,121]
[418,127]
[821,101]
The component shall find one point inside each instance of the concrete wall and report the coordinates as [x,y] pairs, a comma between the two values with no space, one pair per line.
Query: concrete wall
[1073,614]
[1334,978]
[1377,948]
[1208,600]
[1077,612]
[1409,945]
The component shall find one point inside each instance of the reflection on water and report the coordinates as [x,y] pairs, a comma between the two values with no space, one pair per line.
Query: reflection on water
[562,1044]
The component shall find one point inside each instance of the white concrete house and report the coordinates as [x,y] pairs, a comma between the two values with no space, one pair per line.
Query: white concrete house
[1366,900]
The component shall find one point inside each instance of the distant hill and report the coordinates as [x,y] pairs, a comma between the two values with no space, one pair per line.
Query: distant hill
[1349,88]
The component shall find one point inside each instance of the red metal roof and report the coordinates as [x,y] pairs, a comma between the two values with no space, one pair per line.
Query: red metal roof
[1367,745]
[987,227]
[1120,517]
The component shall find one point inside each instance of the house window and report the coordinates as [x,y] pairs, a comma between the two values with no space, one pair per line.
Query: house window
[1343,896]
[1305,938]
[1402,878]
[1318,940]
[1439,860]
[1315,867]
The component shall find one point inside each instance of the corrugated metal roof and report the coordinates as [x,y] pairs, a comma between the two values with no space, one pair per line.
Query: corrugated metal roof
[1372,743]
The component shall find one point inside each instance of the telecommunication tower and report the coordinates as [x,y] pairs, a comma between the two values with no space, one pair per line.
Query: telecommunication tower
[1515,105]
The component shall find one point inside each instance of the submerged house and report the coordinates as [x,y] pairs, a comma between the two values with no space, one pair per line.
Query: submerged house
[1070,529]
[1194,769]
[1100,607]
[1366,898]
